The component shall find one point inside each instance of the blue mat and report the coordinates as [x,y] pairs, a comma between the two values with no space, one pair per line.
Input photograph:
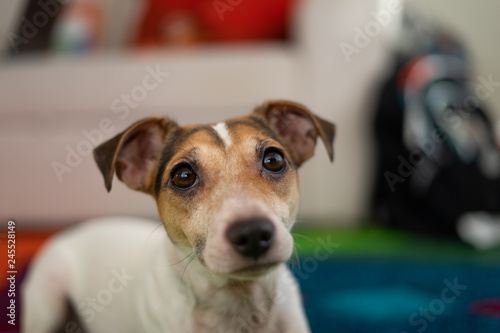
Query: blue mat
[399,296]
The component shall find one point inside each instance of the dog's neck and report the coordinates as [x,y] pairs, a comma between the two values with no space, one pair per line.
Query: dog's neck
[224,302]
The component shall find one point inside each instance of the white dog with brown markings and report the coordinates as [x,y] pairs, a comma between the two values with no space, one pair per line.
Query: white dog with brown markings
[227,196]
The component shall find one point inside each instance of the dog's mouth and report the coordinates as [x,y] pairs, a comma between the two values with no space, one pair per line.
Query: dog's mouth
[253,271]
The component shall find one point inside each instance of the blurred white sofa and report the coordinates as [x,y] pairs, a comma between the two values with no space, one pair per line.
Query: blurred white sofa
[48,103]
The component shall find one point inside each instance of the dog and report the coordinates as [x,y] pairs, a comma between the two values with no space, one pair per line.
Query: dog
[227,195]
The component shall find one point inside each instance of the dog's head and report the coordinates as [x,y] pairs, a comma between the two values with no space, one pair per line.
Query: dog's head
[228,191]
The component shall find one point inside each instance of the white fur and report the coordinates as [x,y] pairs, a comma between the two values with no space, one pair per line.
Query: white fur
[221,129]
[155,293]
[125,274]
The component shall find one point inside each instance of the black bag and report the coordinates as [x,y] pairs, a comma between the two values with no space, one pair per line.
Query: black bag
[435,147]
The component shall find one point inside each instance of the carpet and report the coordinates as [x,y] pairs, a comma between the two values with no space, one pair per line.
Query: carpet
[371,280]
[384,281]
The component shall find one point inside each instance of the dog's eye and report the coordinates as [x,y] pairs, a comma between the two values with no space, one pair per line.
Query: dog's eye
[273,161]
[183,177]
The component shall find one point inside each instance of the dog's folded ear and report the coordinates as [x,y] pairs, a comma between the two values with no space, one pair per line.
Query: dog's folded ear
[298,127]
[134,153]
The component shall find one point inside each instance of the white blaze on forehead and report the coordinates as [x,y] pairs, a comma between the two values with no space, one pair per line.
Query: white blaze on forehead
[221,129]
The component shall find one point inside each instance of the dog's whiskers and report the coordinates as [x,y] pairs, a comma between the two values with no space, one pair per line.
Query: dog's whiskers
[191,257]
[296,260]
[178,262]
[152,232]
[294,234]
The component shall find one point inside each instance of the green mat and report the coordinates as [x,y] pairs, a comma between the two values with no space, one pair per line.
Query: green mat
[390,244]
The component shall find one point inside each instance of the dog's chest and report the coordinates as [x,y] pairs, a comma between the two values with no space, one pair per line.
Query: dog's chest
[246,320]
[233,310]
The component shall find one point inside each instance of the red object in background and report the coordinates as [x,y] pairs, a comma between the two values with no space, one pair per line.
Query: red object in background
[27,244]
[187,21]
[486,307]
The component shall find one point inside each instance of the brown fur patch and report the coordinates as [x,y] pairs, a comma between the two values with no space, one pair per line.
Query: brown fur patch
[222,172]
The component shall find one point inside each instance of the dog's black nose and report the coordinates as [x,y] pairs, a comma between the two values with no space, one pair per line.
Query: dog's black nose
[252,237]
